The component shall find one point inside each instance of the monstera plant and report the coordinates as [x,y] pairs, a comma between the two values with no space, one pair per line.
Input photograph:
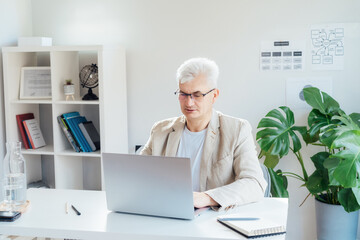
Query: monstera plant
[337,164]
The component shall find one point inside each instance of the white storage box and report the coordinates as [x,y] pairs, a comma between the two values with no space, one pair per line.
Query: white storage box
[34,41]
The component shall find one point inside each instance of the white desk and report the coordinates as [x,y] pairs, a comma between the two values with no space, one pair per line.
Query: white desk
[46,217]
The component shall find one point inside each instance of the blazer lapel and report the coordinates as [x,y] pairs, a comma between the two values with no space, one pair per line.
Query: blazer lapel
[174,137]
[209,146]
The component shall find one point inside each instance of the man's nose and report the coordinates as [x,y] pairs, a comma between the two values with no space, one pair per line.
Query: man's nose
[189,100]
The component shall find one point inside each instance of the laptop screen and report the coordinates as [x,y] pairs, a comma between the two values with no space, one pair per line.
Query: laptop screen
[149,185]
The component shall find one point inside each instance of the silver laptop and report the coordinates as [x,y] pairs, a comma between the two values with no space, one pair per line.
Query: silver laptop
[149,185]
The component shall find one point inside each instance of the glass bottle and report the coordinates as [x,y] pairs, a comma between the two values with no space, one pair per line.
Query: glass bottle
[14,176]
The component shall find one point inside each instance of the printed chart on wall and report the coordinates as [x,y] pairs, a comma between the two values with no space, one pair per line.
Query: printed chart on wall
[327,47]
[282,55]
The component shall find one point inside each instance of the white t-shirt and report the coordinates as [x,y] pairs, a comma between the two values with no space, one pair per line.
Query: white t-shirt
[191,146]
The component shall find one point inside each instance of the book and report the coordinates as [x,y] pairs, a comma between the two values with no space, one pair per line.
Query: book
[76,122]
[91,134]
[73,119]
[67,117]
[65,129]
[19,119]
[252,228]
[34,133]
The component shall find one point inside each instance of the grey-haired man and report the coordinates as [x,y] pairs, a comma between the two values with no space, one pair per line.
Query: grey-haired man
[225,168]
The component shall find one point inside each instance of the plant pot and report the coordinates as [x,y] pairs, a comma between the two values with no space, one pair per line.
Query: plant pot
[69,89]
[334,223]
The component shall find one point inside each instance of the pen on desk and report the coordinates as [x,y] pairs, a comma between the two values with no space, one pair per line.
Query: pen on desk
[66,207]
[77,212]
[238,219]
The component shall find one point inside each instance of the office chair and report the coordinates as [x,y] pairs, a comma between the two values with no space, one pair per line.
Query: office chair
[267,192]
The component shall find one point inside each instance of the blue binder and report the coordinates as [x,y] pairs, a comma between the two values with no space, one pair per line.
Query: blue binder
[73,119]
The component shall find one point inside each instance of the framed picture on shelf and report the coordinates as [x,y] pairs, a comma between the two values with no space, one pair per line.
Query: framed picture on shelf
[35,83]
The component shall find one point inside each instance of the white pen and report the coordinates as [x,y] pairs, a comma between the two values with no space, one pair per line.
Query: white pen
[67,207]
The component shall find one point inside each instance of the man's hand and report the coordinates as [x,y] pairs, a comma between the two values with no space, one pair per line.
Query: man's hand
[201,200]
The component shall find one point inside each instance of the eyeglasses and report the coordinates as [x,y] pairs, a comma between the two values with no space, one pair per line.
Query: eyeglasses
[196,96]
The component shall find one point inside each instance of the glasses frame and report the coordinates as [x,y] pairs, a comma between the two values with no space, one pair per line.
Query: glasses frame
[192,97]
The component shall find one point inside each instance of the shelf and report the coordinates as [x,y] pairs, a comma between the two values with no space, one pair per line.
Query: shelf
[47,101]
[71,152]
[46,150]
[52,48]
[32,101]
[82,102]
[49,150]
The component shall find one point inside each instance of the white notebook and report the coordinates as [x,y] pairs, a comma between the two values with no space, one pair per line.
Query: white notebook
[34,134]
[252,228]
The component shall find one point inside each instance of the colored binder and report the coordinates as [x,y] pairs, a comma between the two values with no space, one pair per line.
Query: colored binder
[69,136]
[73,119]
[19,119]
[91,134]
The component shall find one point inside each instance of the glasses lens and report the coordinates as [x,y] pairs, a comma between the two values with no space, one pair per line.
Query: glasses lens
[182,96]
[197,95]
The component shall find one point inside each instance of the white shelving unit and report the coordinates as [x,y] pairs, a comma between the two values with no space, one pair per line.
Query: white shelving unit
[57,164]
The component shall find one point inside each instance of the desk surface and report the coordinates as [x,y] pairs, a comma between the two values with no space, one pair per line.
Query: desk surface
[46,217]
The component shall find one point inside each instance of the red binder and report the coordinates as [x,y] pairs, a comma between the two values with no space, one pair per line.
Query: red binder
[20,118]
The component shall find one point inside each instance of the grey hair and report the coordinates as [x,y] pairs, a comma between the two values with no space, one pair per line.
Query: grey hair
[194,67]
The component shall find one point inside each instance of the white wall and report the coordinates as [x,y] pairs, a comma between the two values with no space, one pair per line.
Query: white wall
[160,34]
[15,21]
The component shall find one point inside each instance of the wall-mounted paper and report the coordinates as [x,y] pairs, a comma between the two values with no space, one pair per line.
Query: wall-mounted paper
[282,55]
[327,47]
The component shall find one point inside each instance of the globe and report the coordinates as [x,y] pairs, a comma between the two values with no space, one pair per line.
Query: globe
[89,79]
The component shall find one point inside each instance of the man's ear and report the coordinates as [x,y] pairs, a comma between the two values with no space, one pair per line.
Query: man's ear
[216,95]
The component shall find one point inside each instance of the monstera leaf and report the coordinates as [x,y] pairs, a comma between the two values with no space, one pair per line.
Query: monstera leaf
[277,131]
[340,124]
[278,184]
[319,180]
[316,120]
[356,191]
[356,118]
[321,101]
[270,160]
[331,164]
[348,199]
[346,173]
[324,108]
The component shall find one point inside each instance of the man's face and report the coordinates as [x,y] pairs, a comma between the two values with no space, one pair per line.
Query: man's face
[197,108]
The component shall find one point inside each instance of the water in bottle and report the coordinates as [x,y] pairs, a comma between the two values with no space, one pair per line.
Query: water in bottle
[15,183]
[14,176]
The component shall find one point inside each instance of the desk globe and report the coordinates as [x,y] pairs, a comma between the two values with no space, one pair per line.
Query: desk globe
[89,79]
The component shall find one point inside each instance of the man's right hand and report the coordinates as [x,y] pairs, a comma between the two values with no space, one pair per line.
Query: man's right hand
[201,200]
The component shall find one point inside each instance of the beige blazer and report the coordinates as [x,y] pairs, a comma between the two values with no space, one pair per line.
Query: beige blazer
[229,170]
